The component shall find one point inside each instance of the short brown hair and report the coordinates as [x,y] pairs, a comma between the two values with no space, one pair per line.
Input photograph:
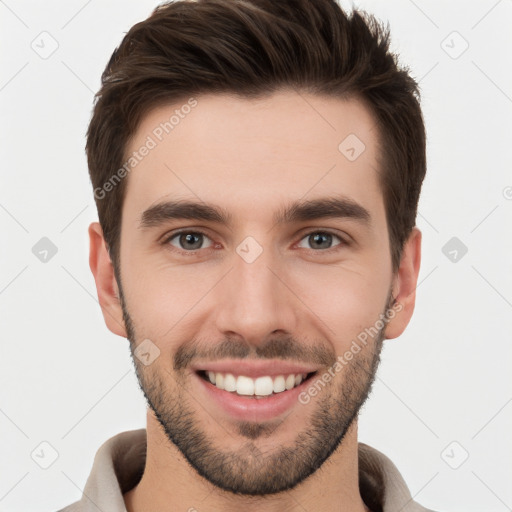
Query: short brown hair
[252,48]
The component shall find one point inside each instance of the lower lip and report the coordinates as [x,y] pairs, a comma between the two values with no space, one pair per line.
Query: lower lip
[252,409]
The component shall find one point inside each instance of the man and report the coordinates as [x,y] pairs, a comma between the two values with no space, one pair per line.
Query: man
[256,167]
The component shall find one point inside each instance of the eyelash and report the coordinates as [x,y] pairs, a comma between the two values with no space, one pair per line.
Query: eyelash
[167,239]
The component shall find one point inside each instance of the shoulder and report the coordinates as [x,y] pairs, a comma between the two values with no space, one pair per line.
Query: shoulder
[117,467]
[74,507]
[383,483]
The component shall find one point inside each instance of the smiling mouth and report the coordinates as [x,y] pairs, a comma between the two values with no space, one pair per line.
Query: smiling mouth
[261,387]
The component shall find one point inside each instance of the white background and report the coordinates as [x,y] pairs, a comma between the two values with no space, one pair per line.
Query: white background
[66,380]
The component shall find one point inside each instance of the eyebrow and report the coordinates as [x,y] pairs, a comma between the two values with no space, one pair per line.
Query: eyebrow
[300,211]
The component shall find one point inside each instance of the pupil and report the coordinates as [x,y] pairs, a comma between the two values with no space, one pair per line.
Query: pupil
[189,238]
[318,236]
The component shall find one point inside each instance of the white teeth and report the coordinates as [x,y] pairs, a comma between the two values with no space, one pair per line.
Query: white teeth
[290,381]
[279,384]
[229,382]
[263,386]
[259,387]
[244,385]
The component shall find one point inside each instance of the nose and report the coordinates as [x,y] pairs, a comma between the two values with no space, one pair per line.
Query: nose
[255,301]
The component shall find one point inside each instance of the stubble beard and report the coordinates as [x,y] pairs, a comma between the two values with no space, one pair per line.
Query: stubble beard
[249,470]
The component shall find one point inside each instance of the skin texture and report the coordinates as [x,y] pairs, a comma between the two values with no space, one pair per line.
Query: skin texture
[296,301]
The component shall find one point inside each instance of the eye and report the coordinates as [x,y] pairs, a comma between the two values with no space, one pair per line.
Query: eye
[321,240]
[188,240]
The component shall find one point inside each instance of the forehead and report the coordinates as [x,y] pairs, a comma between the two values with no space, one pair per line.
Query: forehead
[251,155]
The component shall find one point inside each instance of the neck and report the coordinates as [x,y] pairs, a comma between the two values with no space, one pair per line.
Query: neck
[170,483]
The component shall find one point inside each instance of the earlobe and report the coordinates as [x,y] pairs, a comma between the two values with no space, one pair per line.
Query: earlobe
[404,286]
[106,284]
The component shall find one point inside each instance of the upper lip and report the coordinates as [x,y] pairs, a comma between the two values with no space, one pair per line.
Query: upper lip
[255,369]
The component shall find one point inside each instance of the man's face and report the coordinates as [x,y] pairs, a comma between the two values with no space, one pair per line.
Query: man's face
[257,296]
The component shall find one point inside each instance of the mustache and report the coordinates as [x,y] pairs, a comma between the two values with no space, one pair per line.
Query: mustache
[276,348]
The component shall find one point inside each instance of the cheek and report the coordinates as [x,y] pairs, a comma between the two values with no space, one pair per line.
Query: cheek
[346,300]
[338,300]
[163,299]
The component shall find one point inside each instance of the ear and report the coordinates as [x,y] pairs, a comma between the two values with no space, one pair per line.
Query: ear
[404,285]
[106,284]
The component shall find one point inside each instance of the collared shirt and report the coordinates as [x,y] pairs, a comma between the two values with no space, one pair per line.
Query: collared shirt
[119,465]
